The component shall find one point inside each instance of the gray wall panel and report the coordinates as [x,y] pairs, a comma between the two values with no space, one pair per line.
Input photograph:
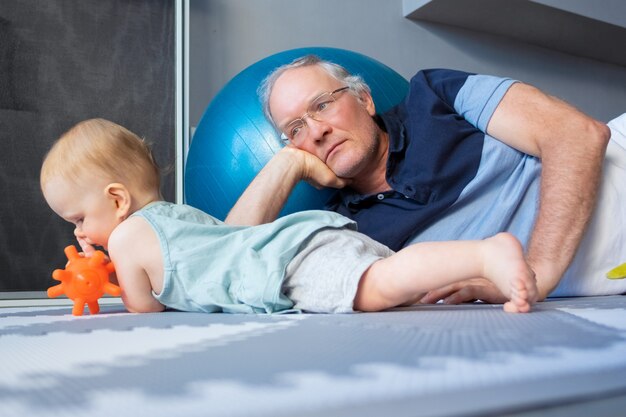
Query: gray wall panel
[228,35]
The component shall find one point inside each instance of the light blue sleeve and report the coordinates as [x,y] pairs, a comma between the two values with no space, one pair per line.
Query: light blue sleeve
[479,97]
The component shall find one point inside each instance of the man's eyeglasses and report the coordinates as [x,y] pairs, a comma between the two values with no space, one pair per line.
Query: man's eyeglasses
[320,109]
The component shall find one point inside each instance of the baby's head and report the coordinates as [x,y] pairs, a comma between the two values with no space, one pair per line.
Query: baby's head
[98,147]
[96,175]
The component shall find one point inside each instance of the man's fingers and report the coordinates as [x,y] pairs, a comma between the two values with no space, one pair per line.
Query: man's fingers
[434,296]
[465,291]
[318,174]
[464,295]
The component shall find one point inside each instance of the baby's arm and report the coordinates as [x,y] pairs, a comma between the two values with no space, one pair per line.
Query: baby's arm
[129,248]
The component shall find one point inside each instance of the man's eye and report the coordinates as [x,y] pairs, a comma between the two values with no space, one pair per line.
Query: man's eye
[323,105]
[295,130]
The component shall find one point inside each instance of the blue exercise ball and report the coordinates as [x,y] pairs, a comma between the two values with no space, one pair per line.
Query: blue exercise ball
[234,140]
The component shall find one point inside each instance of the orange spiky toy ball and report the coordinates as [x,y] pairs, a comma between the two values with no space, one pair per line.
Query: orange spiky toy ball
[84,280]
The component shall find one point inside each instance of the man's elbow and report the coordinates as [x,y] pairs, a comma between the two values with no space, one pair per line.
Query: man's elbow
[598,134]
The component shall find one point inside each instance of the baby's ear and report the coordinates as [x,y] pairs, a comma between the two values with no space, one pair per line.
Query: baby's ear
[119,194]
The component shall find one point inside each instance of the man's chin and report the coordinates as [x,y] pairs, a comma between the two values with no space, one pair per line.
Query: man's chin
[343,173]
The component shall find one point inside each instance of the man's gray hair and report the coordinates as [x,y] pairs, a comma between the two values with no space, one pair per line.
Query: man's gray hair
[355,82]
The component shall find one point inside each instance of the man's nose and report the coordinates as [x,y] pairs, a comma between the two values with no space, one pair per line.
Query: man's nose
[317,129]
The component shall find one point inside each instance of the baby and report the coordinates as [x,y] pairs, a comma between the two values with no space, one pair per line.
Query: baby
[103,179]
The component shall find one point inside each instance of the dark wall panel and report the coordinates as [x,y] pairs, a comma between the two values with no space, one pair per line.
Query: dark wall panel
[62,61]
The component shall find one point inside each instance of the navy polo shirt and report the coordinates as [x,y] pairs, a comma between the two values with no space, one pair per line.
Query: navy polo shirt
[436,143]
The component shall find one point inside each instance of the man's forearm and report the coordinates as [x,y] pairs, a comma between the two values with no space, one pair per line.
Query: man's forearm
[266,195]
[571,147]
[268,192]
[569,182]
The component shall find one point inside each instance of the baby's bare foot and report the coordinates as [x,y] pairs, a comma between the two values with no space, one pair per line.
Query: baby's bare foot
[506,267]
[520,300]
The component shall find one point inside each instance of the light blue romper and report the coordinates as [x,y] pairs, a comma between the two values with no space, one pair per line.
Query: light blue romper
[213,267]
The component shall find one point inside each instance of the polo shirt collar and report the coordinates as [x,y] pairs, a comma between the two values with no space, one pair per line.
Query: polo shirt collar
[390,123]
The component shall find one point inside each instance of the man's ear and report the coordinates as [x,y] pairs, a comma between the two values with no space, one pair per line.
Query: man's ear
[368,102]
[120,196]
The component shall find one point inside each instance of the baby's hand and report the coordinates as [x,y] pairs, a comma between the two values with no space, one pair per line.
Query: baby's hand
[89,250]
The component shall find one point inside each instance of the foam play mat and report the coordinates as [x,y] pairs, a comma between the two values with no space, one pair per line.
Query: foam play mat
[435,360]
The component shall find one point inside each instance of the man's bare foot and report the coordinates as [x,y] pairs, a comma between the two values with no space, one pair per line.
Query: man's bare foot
[506,267]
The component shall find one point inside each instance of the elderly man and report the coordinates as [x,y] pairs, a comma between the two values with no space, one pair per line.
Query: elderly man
[463,157]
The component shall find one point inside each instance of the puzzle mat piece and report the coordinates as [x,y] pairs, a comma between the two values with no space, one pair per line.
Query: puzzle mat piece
[189,363]
[614,318]
[43,321]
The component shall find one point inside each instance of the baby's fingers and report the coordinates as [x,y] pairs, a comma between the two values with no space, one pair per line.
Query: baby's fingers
[88,250]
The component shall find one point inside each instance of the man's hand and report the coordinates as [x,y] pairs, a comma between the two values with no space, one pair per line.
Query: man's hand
[466,291]
[313,170]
